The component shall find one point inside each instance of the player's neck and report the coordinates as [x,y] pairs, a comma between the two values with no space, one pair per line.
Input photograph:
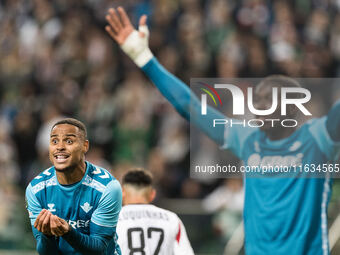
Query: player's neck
[135,200]
[72,175]
[280,134]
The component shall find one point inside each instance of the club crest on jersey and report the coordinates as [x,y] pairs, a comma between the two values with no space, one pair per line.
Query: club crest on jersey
[86,207]
[51,207]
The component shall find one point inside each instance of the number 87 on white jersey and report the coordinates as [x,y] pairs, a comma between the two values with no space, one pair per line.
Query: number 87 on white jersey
[145,229]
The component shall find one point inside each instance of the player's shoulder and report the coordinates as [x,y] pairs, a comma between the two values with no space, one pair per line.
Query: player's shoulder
[152,211]
[43,177]
[315,121]
[44,180]
[171,213]
[172,216]
[100,179]
[170,219]
[99,174]
[314,125]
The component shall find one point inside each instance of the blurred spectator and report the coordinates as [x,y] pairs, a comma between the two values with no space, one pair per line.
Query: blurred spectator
[227,203]
[56,60]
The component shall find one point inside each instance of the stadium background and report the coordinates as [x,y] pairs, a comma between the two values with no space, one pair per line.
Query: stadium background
[57,60]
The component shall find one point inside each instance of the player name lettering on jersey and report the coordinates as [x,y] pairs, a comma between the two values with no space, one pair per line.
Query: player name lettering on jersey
[136,215]
[148,229]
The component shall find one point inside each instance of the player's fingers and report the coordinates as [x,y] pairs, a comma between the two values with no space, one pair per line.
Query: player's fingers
[56,226]
[56,232]
[112,24]
[63,224]
[37,220]
[124,17]
[46,223]
[115,19]
[61,221]
[143,29]
[109,30]
[40,220]
[52,223]
[53,232]
[40,223]
[142,20]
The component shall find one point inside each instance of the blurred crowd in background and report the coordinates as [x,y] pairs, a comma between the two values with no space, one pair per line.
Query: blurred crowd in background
[57,61]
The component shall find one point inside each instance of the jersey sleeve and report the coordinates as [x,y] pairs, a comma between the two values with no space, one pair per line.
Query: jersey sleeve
[322,137]
[45,244]
[32,204]
[333,122]
[189,106]
[184,101]
[326,132]
[182,244]
[110,204]
[93,244]
[103,223]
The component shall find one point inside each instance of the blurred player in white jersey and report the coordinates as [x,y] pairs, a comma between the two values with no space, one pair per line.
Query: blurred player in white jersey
[144,228]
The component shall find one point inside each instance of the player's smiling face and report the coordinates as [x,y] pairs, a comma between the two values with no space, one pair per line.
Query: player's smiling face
[67,147]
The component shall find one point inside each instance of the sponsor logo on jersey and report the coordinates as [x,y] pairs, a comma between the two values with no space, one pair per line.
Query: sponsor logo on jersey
[79,223]
[279,161]
[51,207]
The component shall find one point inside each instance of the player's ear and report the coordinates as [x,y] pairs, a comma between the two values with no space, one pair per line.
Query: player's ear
[152,195]
[123,194]
[86,146]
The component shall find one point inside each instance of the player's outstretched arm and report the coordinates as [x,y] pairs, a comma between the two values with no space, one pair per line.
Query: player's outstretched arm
[135,44]
[333,122]
[326,131]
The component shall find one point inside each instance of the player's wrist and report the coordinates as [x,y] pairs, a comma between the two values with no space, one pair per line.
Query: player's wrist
[68,232]
[68,229]
[137,48]
[48,235]
[144,57]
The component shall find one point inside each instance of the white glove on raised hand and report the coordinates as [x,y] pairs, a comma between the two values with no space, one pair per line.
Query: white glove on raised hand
[134,43]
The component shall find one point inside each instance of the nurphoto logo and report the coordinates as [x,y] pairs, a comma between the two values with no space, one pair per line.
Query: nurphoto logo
[280,100]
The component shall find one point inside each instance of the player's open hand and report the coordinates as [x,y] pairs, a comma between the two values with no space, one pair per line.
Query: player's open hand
[134,43]
[59,226]
[42,222]
[120,26]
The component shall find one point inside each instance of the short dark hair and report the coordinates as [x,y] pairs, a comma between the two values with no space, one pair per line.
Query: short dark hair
[73,122]
[138,177]
[281,81]
[278,80]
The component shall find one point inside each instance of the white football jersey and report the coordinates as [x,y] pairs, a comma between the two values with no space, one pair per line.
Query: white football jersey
[145,229]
